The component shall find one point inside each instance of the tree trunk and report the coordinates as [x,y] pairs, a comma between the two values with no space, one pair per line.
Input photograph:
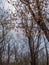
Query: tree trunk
[46,54]
[33,60]
[0,61]
[8,60]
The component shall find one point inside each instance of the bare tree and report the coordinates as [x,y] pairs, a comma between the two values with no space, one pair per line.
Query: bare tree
[28,24]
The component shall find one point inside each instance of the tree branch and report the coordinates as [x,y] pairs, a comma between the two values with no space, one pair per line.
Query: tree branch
[39,21]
